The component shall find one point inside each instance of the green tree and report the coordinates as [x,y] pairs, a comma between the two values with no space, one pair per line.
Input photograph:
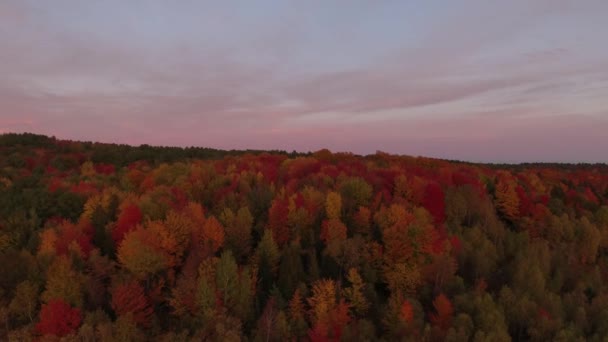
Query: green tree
[25,302]
[291,269]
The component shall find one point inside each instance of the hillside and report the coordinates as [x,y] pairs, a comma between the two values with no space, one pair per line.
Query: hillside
[106,242]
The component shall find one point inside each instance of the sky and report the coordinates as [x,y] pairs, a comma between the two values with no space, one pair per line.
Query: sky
[476,80]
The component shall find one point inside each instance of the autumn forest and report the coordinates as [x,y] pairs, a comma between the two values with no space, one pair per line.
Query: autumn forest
[107,242]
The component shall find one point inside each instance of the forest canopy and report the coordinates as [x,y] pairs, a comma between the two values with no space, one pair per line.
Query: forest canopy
[107,242]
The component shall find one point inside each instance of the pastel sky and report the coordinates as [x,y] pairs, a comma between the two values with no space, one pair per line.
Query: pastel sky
[479,80]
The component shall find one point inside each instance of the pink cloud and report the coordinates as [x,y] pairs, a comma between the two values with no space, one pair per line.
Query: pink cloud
[484,89]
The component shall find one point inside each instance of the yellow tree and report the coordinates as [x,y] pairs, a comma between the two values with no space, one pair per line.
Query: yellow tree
[507,201]
[161,238]
[87,169]
[296,314]
[195,212]
[402,278]
[354,294]
[322,301]
[399,318]
[394,224]
[25,301]
[402,188]
[138,254]
[179,228]
[333,205]
[63,282]
[408,238]
[211,237]
[48,239]
[333,231]
[328,316]
[589,241]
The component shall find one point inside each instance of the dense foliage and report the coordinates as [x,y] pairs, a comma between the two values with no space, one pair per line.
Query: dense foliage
[102,242]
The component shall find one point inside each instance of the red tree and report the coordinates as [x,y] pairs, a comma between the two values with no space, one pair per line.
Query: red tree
[58,318]
[277,221]
[70,233]
[434,202]
[526,207]
[130,298]
[129,217]
[105,169]
[407,312]
[443,308]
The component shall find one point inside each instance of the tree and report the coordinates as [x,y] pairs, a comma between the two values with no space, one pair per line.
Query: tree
[267,255]
[177,232]
[137,253]
[64,283]
[101,237]
[48,240]
[434,202]
[87,169]
[589,241]
[272,325]
[328,316]
[443,312]
[227,280]
[399,318]
[333,233]
[75,238]
[507,201]
[128,219]
[407,312]
[296,314]
[362,221]
[333,328]
[323,300]
[488,317]
[161,239]
[238,231]
[130,298]
[278,215]
[58,318]
[408,236]
[211,237]
[480,256]
[183,294]
[300,218]
[356,193]
[355,293]
[333,230]
[25,301]
[402,278]
[291,269]
[206,292]
[125,329]
[333,206]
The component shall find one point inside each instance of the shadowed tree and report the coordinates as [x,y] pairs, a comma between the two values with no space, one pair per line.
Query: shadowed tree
[129,298]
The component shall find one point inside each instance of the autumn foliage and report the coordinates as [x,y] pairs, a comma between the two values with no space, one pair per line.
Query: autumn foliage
[130,298]
[442,317]
[58,318]
[102,242]
[129,217]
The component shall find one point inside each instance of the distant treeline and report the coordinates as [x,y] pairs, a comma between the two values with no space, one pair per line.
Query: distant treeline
[122,154]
